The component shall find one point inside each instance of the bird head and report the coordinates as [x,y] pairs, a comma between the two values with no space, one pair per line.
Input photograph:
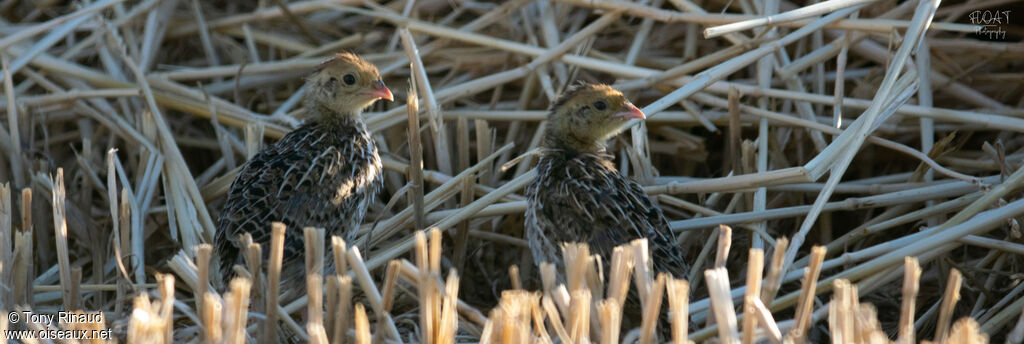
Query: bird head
[345,84]
[586,115]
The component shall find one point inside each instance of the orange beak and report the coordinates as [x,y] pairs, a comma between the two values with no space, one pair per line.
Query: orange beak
[629,111]
[381,91]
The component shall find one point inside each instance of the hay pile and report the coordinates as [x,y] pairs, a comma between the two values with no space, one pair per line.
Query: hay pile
[870,131]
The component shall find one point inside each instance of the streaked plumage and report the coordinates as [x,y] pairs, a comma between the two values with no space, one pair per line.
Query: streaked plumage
[323,174]
[579,196]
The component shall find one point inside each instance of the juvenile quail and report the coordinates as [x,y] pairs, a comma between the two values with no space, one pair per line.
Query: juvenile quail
[324,174]
[579,196]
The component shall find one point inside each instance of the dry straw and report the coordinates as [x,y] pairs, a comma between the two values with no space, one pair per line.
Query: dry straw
[124,124]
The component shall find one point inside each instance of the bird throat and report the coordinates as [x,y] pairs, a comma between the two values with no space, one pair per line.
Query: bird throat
[320,113]
[567,141]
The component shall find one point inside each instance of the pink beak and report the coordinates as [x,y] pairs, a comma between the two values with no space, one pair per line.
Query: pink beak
[381,91]
[629,111]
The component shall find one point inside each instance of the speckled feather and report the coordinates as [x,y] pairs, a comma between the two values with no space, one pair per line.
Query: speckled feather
[323,174]
[581,197]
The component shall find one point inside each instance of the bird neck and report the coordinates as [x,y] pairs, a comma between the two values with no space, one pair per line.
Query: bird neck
[592,159]
[571,143]
[317,112]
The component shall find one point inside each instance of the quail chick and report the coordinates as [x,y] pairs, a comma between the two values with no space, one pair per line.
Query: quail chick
[579,196]
[324,174]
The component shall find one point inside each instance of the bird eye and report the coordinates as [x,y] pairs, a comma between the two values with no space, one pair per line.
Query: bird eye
[349,79]
[600,105]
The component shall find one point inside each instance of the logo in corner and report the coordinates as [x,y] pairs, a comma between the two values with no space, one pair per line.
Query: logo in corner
[992,23]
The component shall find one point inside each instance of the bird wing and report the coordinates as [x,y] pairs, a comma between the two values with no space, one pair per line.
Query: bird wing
[277,184]
[610,209]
